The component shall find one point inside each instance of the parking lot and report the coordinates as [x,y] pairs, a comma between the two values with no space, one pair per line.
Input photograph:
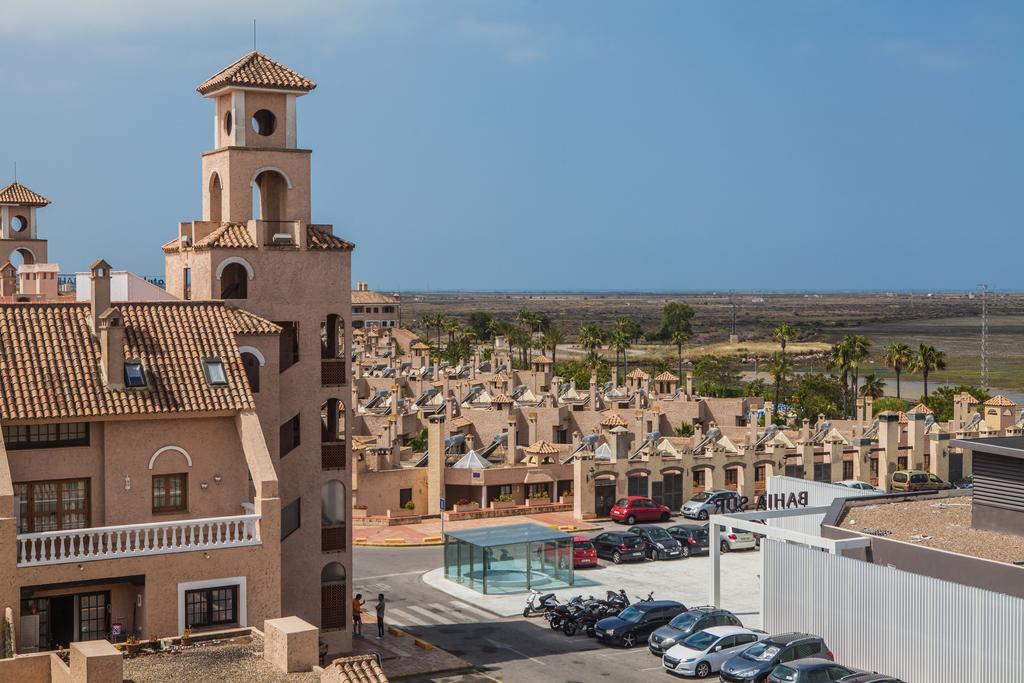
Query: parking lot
[491,633]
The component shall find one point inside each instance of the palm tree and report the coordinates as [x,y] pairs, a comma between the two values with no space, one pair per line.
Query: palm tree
[926,359]
[780,368]
[591,337]
[551,339]
[898,357]
[783,334]
[520,338]
[874,386]
[679,338]
[839,358]
[620,342]
[859,345]
[452,327]
[594,361]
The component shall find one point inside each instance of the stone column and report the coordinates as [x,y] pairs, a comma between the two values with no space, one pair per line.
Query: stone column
[889,441]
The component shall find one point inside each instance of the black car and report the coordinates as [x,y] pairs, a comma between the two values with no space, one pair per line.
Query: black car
[754,664]
[660,544]
[689,622]
[633,624]
[811,670]
[620,546]
[692,537]
[869,678]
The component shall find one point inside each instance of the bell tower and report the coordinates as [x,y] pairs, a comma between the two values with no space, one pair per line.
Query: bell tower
[256,169]
[18,227]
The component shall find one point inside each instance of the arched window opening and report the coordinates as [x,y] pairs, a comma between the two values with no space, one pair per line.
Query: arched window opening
[21,257]
[251,364]
[215,196]
[332,337]
[333,531]
[234,282]
[264,122]
[332,421]
[333,597]
[270,190]
[19,223]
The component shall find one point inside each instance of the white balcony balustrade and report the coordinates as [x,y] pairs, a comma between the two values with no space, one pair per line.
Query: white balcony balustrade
[135,540]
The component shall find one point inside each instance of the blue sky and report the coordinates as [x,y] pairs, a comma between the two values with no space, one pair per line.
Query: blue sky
[554,145]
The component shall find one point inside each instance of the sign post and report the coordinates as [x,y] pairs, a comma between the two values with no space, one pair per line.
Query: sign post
[442,521]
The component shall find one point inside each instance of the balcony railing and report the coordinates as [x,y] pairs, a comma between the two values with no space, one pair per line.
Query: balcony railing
[332,456]
[134,540]
[332,372]
[332,538]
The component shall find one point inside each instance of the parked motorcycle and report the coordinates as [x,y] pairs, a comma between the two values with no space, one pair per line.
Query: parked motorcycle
[558,614]
[538,604]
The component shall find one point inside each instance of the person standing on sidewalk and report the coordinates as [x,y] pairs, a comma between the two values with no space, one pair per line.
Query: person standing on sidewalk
[357,615]
[380,615]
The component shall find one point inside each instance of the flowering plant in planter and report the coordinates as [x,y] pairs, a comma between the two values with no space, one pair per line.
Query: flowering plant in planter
[462,501]
[409,505]
[504,498]
[539,495]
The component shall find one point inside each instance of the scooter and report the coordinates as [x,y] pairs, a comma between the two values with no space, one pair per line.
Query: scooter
[538,604]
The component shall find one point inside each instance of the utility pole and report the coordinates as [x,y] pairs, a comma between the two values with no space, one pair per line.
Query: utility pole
[984,336]
[733,338]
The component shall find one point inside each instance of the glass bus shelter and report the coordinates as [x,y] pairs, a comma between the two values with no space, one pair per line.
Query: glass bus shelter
[509,559]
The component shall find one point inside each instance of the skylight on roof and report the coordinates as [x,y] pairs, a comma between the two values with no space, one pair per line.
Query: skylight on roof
[214,369]
[134,376]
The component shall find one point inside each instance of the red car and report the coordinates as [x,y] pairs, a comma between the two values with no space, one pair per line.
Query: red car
[584,554]
[639,509]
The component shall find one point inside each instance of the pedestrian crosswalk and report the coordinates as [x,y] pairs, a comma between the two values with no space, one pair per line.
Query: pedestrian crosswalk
[436,614]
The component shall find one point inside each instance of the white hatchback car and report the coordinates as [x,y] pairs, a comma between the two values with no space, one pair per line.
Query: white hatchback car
[859,485]
[736,539]
[704,652]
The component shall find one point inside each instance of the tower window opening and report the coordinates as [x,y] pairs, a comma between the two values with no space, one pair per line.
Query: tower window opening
[19,223]
[227,122]
[264,122]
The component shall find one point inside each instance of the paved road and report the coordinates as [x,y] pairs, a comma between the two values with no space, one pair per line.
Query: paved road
[510,649]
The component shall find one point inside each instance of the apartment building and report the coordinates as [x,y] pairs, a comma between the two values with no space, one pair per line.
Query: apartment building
[374,309]
[137,495]
[257,249]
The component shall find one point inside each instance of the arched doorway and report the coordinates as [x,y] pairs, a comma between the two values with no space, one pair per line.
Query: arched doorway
[332,434]
[270,192]
[333,597]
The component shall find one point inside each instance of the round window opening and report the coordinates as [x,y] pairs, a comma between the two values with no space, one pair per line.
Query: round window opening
[227,123]
[264,122]
[19,223]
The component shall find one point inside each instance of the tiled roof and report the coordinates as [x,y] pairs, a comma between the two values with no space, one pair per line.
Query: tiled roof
[613,420]
[666,377]
[245,323]
[369,297]
[418,345]
[999,400]
[50,362]
[16,193]
[460,422]
[969,398]
[542,360]
[542,447]
[322,238]
[256,70]
[502,399]
[638,374]
[228,236]
[356,669]
[921,408]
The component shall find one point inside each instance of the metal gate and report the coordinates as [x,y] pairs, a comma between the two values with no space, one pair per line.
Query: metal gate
[604,499]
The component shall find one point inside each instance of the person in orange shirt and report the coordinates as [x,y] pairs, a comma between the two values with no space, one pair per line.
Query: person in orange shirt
[357,615]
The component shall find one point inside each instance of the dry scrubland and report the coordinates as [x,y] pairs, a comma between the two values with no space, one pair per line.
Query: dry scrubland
[950,321]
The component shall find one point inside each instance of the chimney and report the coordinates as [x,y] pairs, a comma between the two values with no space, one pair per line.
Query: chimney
[99,291]
[111,336]
[8,280]
[593,390]
[511,441]
[689,384]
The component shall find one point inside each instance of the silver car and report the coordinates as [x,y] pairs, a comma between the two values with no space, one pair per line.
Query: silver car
[707,503]
[859,485]
[704,652]
[736,539]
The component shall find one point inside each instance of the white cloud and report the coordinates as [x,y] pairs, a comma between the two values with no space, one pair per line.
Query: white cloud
[517,43]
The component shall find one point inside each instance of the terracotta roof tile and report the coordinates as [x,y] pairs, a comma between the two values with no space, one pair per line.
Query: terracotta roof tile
[542,447]
[542,360]
[637,373]
[256,70]
[921,408]
[369,297]
[245,323]
[666,377]
[418,345]
[228,236]
[969,398]
[322,238]
[613,420]
[357,669]
[460,422]
[999,400]
[50,362]
[16,193]
[502,399]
